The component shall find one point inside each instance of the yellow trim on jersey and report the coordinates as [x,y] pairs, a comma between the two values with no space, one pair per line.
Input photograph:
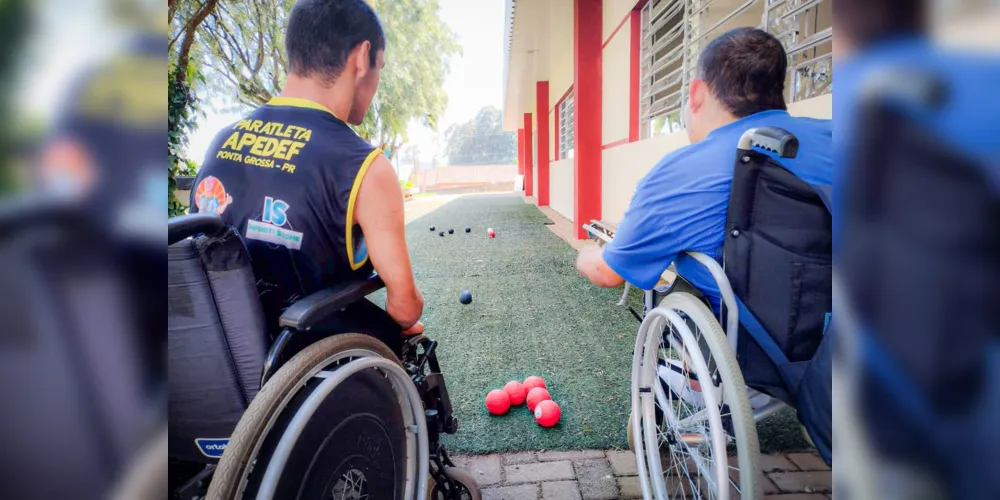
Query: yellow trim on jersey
[350,208]
[295,102]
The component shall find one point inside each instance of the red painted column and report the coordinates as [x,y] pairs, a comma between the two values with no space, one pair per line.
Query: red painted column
[587,32]
[635,40]
[528,181]
[520,151]
[542,114]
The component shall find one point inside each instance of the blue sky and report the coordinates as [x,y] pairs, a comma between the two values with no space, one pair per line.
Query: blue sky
[475,79]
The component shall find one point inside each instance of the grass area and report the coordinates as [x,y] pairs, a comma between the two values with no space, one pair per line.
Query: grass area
[531,314]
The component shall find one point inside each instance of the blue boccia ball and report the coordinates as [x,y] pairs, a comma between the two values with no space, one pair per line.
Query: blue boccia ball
[465,297]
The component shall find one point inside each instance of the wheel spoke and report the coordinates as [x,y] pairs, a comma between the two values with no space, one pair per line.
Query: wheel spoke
[684,429]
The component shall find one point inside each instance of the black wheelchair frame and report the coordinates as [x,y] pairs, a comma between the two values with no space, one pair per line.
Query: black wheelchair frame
[418,358]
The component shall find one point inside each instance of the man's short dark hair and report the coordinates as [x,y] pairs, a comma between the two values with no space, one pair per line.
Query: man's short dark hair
[321,34]
[745,69]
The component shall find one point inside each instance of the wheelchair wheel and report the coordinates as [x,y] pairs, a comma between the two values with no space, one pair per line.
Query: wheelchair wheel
[341,419]
[468,488]
[690,406]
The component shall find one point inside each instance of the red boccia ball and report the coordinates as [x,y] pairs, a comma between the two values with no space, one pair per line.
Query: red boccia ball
[537,395]
[491,233]
[497,402]
[547,413]
[516,391]
[532,382]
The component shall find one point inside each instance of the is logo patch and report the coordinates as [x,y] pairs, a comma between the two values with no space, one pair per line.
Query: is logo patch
[270,227]
[211,448]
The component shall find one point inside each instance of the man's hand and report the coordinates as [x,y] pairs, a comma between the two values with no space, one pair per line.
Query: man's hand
[416,329]
[590,263]
[379,211]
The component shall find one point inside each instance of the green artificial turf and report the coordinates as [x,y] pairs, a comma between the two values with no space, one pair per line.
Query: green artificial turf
[531,314]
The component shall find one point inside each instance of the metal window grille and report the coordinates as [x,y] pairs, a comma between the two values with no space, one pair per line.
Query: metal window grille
[674,32]
[566,128]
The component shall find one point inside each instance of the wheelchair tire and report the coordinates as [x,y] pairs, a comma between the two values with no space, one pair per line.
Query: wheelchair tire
[714,349]
[235,466]
[628,432]
[469,487]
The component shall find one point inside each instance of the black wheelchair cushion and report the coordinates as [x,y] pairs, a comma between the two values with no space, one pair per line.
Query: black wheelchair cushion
[217,341]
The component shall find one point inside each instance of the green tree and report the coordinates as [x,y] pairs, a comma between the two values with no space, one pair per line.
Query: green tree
[481,140]
[246,61]
[182,72]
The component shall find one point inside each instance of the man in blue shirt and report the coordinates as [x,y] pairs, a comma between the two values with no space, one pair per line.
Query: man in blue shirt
[680,205]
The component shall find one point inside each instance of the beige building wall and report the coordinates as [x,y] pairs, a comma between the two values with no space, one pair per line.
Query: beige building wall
[977,31]
[816,107]
[560,30]
[623,166]
[614,11]
[616,64]
[561,187]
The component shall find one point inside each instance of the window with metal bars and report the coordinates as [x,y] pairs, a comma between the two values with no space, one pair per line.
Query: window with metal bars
[566,127]
[674,32]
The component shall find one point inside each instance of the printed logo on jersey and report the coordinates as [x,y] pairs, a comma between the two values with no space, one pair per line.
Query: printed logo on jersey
[269,228]
[211,196]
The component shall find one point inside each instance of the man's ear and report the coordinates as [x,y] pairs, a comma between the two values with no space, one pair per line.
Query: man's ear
[696,94]
[362,61]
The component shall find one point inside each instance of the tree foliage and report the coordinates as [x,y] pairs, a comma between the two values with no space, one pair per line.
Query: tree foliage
[183,72]
[181,112]
[481,140]
[246,61]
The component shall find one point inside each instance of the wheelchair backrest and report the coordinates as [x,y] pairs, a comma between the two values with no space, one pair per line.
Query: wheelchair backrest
[778,258]
[217,342]
[283,276]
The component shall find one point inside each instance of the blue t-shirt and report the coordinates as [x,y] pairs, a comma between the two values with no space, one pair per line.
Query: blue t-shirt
[680,205]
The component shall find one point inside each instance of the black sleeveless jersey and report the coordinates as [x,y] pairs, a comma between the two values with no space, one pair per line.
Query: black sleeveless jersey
[286,178]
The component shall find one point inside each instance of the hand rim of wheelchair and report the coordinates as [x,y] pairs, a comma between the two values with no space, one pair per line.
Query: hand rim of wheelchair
[359,359]
[644,375]
[293,430]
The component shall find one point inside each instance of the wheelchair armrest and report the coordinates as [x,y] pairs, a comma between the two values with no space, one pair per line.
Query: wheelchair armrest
[306,312]
[182,226]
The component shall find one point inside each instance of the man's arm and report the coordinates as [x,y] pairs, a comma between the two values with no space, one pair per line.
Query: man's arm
[656,226]
[379,211]
[590,263]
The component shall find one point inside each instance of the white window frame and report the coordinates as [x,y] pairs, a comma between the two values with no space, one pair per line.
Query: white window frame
[565,127]
[671,38]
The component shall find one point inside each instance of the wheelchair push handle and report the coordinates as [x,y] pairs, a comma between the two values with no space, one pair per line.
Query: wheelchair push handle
[773,139]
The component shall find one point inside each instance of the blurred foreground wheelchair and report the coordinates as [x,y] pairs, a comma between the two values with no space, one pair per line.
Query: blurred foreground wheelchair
[342,417]
[700,382]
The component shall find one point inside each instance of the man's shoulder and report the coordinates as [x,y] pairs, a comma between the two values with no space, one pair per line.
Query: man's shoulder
[687,154]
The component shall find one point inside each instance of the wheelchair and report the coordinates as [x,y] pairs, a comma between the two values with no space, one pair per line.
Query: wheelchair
[694,403]
[343,417]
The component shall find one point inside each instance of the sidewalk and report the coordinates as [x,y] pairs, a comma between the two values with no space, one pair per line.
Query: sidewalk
[599,474]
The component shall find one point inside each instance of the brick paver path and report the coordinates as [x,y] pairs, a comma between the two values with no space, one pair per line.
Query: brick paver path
[598,474]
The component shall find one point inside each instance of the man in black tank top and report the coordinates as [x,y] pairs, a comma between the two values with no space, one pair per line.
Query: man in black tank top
[316,204]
